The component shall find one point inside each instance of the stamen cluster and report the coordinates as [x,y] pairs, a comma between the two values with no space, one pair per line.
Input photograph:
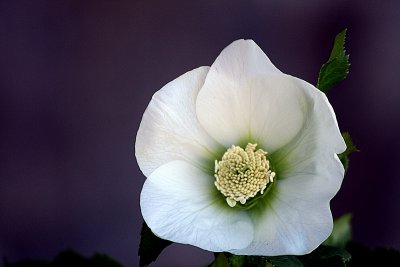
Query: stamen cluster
[242,173]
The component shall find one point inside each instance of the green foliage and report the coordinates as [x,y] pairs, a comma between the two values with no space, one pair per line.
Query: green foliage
[287,261]
[237,261]
[326,256]
[259,261]
[322,256]
[68,258]
[344,157]
[341,233]
[150,246]
[229,260]
[337,67]
[353,255]
[225,259]
[221,260]
[337,251]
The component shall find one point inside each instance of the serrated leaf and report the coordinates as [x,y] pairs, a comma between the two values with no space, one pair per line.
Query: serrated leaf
[337,67]
[338,49]
[150,246]
[350,148]
[341,233]
[285,261]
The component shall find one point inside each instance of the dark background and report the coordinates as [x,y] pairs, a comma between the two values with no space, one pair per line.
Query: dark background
[76,76]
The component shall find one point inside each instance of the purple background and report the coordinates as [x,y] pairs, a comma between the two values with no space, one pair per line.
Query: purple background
[76,76]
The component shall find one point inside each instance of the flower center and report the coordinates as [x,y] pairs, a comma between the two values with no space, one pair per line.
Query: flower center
[242,173]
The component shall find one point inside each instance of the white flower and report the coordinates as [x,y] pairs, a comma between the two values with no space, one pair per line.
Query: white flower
[240,157]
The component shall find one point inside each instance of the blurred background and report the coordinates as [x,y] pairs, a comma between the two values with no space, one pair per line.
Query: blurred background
[76,77]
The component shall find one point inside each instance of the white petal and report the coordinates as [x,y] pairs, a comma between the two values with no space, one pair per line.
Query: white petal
[297,218]
[170,130]
[179,203]
[316,145]
[295,221]
[245,97]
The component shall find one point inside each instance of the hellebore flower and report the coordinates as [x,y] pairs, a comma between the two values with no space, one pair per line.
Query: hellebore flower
[240,157]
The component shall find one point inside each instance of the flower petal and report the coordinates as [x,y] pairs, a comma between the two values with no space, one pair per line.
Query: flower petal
[179,203]
[170,130]
[244,96]
[296,218]
[315,147]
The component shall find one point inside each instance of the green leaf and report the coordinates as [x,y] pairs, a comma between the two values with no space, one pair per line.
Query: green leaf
[338,46]
[337,67]
[229,260]
[285,261]
[326,256]
[341,233]
[150,246]
[322,256]
[344,157]
[238,261]
[221,260]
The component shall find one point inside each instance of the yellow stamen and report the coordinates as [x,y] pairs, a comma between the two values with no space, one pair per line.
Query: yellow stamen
[242,173]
